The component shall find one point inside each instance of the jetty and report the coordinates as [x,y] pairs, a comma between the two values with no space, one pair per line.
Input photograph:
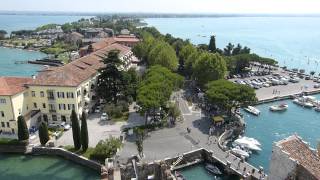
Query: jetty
[44,61]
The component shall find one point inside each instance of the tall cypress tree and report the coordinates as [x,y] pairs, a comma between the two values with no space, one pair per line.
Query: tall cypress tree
[23,133]
[43,133]
[84,132]
[212,44]
[75,130]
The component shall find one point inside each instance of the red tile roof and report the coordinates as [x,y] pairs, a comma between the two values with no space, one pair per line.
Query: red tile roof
[12,85]
[301,152]
[78,71]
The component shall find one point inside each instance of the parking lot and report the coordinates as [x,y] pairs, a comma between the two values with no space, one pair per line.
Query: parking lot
[278,83]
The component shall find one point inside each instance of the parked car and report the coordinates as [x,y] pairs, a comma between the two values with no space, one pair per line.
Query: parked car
[97,110]
[316,86]
[104,117]
[65,126]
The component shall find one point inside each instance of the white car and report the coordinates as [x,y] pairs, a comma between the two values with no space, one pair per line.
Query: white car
[65,126]
[97,110]
[104,117]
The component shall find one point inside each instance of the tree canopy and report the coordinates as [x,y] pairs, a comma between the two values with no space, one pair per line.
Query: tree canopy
[209,67]
[23,133]
[75,130]
[43,133]
[212,44]
[227,95]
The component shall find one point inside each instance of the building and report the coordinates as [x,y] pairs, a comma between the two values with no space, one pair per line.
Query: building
[127,40]
[12,103]
[74,38]
[55,92]
[292,158]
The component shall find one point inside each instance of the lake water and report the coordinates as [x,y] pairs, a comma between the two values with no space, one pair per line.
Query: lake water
[18,22]
[18,167]
[292,41]
[9,56]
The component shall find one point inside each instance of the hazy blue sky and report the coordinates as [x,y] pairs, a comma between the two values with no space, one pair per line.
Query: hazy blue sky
[168,6]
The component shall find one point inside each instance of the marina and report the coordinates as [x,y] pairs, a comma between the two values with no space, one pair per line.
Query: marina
[270,127]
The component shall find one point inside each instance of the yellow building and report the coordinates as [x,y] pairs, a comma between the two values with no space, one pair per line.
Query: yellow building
[55,92]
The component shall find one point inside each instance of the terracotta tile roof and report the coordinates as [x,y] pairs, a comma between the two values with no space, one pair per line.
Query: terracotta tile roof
[77,34]
[12,85]
[126,38]
[76,72]
[300,151]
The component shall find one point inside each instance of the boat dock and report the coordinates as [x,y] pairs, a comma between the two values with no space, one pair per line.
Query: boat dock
[44,61]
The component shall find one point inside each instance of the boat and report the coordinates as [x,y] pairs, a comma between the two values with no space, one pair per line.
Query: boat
[240,153]
[317,108]
[280,107]
[252,140]
[303,102]
[179,176]
[247,144]
[213,169]
[252,110]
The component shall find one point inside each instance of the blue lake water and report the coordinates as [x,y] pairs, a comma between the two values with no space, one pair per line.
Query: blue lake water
[9,56]
[293,41]
[18,167]
[18,22]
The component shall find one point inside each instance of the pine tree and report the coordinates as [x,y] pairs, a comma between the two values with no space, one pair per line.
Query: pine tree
[75,130]
[43,133]
[23,133]
[84,132]
[212,44]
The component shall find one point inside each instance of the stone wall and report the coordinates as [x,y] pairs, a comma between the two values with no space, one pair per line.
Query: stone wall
[281,165]
[302,173]
[12,148]
[67,155]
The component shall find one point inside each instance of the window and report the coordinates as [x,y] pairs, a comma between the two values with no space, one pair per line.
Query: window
[2,113]
[41,93]
[54,118]
[33,94]
[69,94]
[3,101]
[73,107]
[44,105]
[69,106]
[2,124]
[35,105]
[64,107]
[78,93]
[52,108]
[59,105]
[8,124]
[60,94]
[50,95]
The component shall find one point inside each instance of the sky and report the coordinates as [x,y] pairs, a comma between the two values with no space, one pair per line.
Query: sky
[167,6]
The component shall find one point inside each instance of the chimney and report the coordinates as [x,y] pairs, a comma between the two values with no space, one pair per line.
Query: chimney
[33,76]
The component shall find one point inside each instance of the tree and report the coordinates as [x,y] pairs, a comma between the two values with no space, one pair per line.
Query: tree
[84,132]
[23,133]
[3,34]
[106,149]
[130,80]
[139,141]
[203,47]
[174,111]
[312,73]
[75,130]
[43,133]
[110,78]
[155,89]
[185,57]
[209,67]
[228,95]
[212,44]
[163,54]
[227,51]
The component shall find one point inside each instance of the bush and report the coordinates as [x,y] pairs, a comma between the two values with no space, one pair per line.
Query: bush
[105,149]
[116,111]
[4,141]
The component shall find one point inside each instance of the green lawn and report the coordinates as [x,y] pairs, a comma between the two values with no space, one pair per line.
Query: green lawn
[124,117]
[80,152]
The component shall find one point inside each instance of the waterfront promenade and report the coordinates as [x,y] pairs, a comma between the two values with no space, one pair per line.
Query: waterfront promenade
[171,142]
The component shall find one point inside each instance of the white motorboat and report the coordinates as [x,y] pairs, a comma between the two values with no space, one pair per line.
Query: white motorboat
[303,102]
[247,144]
[240,153]
[280,107]
[309,98]
[252,140]
[252,110]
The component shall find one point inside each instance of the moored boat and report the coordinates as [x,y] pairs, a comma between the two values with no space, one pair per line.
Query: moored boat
[252,110]
[240,153]
[213,169]
[317,108]
[248,144]
[280,107]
